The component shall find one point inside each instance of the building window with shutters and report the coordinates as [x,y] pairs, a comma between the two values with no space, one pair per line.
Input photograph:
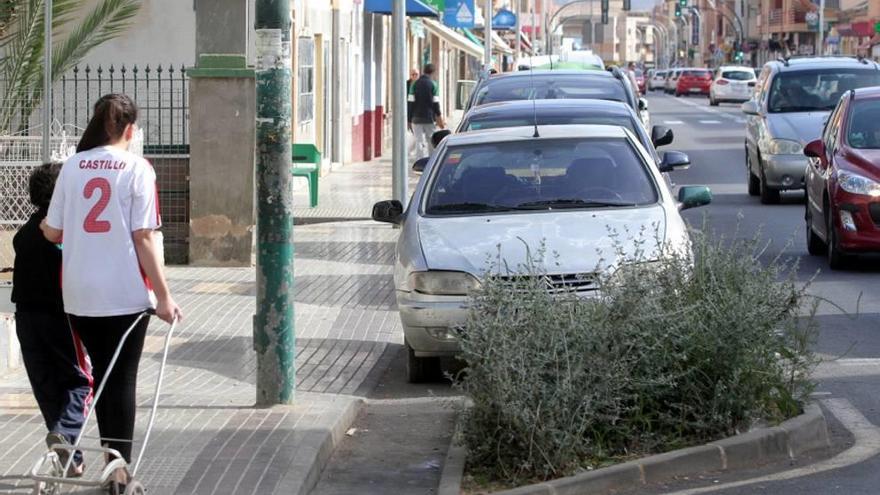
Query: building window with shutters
[305,99]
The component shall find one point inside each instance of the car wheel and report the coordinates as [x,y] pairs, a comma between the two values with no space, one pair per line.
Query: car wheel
[419,369]
[837,260]
[815,245]
[768,196]
[713,101]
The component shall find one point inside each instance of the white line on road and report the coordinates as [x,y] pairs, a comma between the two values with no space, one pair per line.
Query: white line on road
[710,121]
[673,122]
[867,445]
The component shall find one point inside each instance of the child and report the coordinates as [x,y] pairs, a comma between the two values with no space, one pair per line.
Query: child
[53,355]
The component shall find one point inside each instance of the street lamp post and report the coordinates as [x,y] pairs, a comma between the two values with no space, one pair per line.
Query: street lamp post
[821,48]
[487,28]
[274,334]
[398,102]
[47,81]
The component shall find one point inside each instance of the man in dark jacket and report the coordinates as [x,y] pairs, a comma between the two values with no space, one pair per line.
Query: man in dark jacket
[54,358]
[423,111]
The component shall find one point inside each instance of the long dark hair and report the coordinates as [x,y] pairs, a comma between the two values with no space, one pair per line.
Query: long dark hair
[112,114]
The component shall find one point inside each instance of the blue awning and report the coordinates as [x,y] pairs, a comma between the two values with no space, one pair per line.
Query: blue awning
[414,8]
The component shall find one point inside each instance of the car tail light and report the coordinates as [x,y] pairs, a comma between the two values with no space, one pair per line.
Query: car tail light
[722,82]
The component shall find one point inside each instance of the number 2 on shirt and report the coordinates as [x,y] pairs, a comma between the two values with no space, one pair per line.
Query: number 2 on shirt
[91,224]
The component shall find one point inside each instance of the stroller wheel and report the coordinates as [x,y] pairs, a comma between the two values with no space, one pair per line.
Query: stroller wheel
[135,487]
[42,488]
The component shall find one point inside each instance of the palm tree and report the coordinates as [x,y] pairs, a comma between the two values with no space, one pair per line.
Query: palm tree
[22,43]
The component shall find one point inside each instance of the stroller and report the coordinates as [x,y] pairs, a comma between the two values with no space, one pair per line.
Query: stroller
[50,473]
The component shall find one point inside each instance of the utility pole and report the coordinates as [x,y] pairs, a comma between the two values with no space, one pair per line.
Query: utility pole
[518,28]
[398,101]
[487,28]
[821,49]
[274,325]
[47,81]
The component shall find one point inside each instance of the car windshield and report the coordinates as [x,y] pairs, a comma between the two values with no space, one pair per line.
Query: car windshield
[864,126]
[478,122]
[540,174]
[662,73]
[550,87]
[737,75]
[816,90]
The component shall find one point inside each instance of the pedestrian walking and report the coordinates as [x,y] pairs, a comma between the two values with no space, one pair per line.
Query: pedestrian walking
[413,76]
[106,207]
[53,356]
[423,111]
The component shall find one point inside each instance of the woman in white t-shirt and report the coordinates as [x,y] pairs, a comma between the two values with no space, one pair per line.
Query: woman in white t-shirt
[105,205]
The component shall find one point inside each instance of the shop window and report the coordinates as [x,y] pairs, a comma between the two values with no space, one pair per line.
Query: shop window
[305,98]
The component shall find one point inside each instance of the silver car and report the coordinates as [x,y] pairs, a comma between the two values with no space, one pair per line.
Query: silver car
[792,100]
[494,192]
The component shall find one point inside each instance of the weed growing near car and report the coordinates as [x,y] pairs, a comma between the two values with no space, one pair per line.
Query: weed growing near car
[671,351]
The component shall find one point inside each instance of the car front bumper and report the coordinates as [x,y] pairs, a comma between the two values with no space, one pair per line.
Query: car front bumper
[728,93]
[863,232]
[428,322]
[785,171]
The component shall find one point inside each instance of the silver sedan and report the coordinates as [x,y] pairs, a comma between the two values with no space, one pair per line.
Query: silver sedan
[501,192]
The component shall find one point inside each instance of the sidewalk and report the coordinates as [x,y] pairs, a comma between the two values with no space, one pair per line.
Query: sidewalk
[209,438]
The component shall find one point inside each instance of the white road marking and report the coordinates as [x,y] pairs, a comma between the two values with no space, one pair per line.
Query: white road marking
[867,445]
[839,368]
[710,121]
[673,122]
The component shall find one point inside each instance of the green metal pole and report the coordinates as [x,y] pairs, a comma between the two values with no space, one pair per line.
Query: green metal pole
[274,334]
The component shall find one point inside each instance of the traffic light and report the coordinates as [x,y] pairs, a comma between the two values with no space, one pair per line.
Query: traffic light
[627,5]
[678,10]
[739,56]
[604,5]
[683,3]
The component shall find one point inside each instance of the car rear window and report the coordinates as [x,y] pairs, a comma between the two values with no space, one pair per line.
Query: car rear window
[529,174]
[695,73]
[660,73]
[864,127]
[737,75]
[550,87]
[479,122]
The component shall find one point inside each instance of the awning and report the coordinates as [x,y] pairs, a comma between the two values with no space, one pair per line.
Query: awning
[414,8]
[456,40]
[499,45]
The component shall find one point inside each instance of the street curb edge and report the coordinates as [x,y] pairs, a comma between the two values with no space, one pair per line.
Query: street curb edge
[804,433]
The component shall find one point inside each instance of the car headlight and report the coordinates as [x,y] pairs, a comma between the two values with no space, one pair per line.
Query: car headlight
[856,184]
[443,283]
[784,147]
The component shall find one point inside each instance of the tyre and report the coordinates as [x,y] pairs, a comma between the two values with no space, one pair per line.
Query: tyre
[135,487]
[713,101]
[768,195]
[837,260]
[815,245]
[677,94]
[419,369]
[753,180]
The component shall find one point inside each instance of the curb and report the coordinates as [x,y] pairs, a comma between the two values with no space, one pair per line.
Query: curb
[789,440]
[453,468]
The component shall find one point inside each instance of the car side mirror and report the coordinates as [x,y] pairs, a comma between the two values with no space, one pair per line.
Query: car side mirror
[816,149]
[643,104]
[750,108]
[420,164]
[661,136]
[674,160]
[388,211]
[694,196]
[439,136]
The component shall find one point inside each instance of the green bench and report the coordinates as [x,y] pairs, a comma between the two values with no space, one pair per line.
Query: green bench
[307,163]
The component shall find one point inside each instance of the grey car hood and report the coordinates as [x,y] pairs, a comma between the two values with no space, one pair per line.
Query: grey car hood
[575,241]
[797,126]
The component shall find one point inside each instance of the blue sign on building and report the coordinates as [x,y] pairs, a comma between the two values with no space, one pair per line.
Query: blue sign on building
[459,13]
[504,20]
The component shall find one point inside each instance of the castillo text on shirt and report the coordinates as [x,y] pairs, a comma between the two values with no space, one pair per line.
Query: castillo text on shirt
[102,164]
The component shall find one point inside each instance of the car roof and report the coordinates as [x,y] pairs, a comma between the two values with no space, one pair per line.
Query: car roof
[736,67]
[565,105]
[528,132]
[551,73]
[807,63]
[867,93]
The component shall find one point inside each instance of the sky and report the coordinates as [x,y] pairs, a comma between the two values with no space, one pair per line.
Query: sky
[636,4]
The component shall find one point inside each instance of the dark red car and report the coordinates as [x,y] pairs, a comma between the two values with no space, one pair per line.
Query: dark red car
[694,81]
[641,82]
[843,180]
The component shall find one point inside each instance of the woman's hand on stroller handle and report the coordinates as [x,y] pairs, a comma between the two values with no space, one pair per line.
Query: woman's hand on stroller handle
[168,311]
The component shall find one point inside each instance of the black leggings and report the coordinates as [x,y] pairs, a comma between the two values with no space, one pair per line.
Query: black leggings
[116,406]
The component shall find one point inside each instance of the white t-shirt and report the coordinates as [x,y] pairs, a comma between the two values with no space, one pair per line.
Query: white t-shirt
[101,197]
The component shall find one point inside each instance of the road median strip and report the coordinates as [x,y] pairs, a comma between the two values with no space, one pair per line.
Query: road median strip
[792,438]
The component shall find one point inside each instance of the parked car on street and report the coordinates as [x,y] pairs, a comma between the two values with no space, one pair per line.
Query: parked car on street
[641,83]
[843,180]
[788,111]
[693,81]
[657,80]
[499,192]
[671,81]
[734,84]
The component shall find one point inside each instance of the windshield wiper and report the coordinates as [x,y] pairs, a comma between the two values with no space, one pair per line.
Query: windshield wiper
[461,207]
[567,203]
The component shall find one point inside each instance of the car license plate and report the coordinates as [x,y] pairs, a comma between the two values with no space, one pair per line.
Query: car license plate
[695,90]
